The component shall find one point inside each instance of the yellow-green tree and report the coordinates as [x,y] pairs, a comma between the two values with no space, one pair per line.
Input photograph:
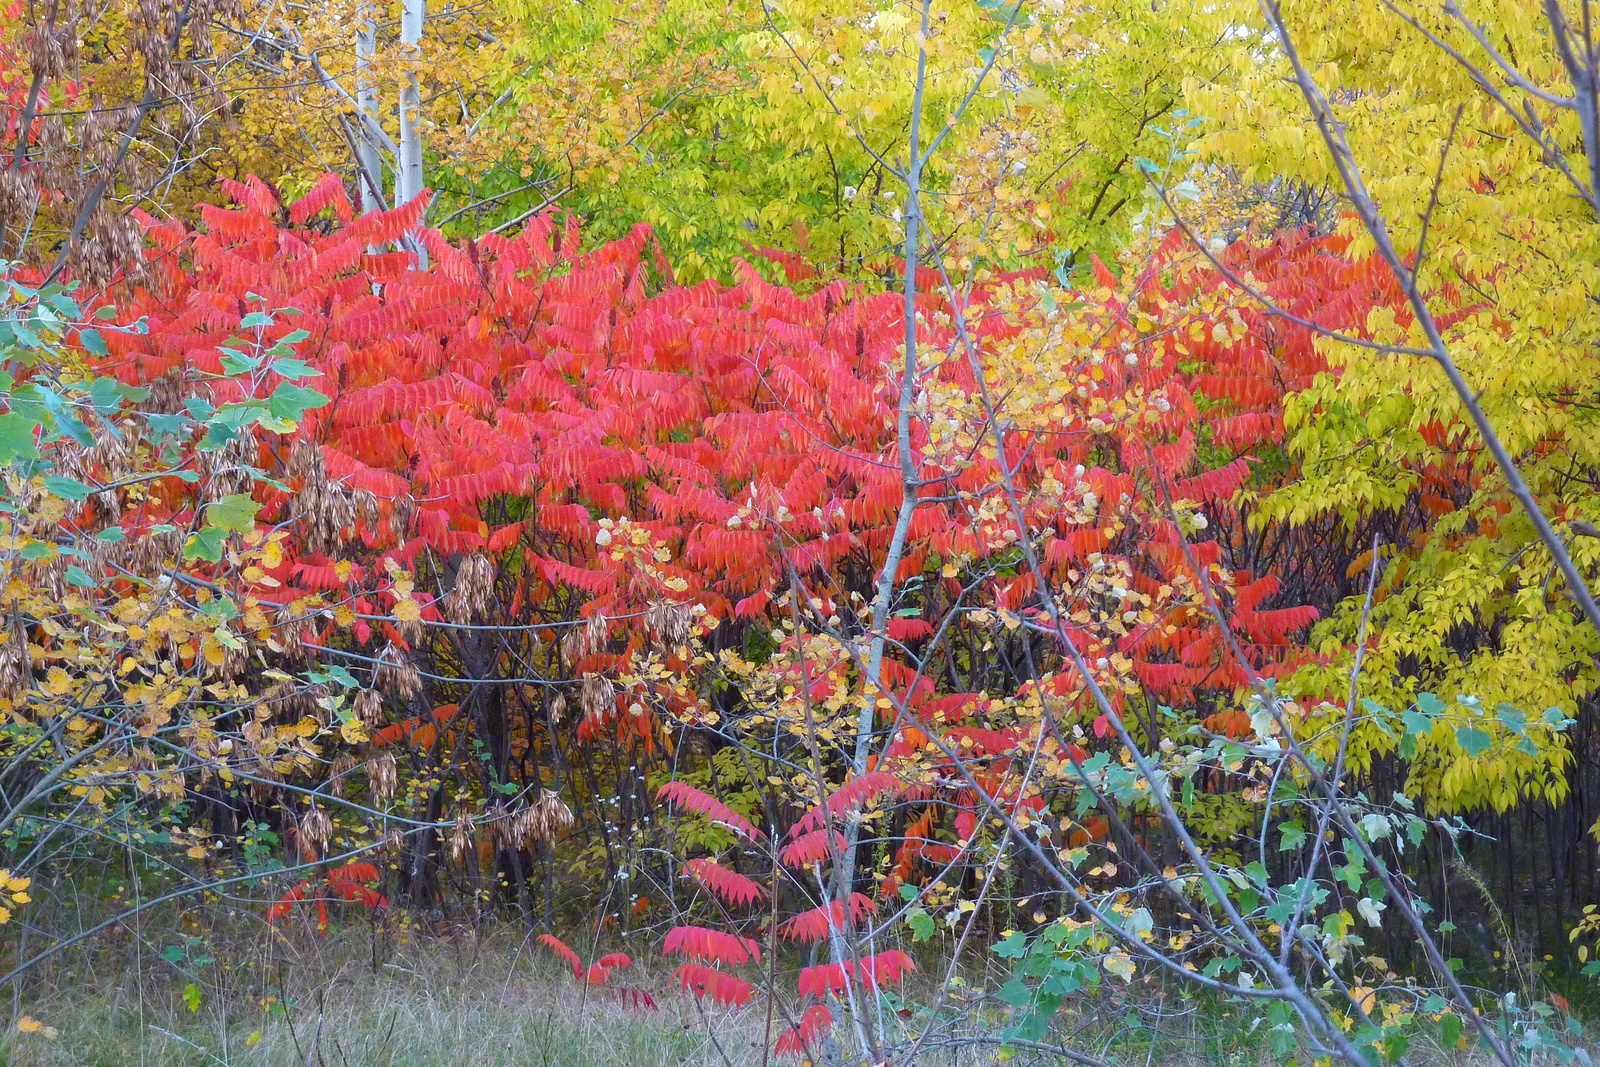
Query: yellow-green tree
[740,124]
[1452,137]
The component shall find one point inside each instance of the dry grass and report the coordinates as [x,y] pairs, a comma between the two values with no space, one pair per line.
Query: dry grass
[459,999]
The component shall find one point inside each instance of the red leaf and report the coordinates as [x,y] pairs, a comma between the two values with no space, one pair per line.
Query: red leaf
[687,796]
[848,797]
[811,848]
[814,925]
[800,1039]
[698,943]
[725,989]
[559,947]
[731,886]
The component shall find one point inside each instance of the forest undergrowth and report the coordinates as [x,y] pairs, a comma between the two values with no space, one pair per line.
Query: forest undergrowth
[451,996]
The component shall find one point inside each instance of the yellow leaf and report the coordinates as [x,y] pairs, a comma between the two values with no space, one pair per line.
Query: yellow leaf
[253,1039]
[408,611]
[57,682]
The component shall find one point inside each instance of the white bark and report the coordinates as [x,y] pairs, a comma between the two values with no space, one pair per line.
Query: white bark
[408,168]
[369,158]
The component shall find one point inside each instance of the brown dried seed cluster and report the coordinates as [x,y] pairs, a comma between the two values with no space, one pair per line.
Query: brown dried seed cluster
[548,818]
[474,588]
[583,640]
[395,673]
[368,707]
[462,837]
[382,776]
[669,623]
[316,830]
[324,509]
[598,696]
[339,774]
[498,818]
[13,672]
[291,631]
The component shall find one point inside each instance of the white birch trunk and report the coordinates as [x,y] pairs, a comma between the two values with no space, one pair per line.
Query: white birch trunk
[369,159]
[408,168]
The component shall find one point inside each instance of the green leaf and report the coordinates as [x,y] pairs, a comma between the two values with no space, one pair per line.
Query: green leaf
[37,550]
[921,924]
[1294,835]
[290,401]
[1013,947]
[191,996]
[1430,705]
[67,488]
[1417,724]
[1472,740]
[92,342]
[255,319]
[111,535]
[205,544]
[169,425]
[105,394]
[16,438]
[1514,719]
[1016,993]
[79,577]
[173,954]
[236,512]
[295,369]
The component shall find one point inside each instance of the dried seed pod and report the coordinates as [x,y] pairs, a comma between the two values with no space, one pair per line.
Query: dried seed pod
[368,707]
[339,773]
[291,631]
[572,647]
[598,696]
[558,708]
[595,633]
[13,669]
[524,827]
[551,817]
[396,673]
[500,825]
[669,623]
[462,842]
[474,588]
[316,830]
[394,839]
[382,778]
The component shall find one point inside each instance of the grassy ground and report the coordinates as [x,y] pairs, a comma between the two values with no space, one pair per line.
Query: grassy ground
[457,997]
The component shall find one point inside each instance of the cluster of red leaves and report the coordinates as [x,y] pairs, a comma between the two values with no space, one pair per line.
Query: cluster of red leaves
[698,943]
[814,925]
[598,971]
[828,980]
[801,1039]
[346,883]
[587,385]
[730,885]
